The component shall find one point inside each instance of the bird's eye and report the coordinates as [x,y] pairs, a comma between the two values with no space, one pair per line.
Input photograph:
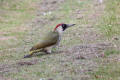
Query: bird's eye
[64,26]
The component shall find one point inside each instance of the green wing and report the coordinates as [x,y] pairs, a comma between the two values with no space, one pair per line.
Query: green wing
[49,40]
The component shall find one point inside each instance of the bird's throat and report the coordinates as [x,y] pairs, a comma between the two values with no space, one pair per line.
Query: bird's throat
[59,30]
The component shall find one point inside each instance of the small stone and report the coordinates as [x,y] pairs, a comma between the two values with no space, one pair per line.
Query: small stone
[116,38]
[50,79]
[80,57]
[53,2]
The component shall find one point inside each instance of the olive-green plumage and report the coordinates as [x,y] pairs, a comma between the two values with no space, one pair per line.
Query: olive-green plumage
[49,40]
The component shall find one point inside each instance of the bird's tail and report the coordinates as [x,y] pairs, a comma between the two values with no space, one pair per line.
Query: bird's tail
[28,55]
[32,52]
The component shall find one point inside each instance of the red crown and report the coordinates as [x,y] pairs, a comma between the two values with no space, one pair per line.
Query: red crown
[57,26]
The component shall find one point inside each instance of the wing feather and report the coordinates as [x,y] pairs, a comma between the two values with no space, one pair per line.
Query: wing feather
[49,40]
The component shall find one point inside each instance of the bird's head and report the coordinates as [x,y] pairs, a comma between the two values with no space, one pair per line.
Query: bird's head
[62,27]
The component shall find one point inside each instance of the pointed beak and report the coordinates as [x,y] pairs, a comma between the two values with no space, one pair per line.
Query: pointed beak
[69,25]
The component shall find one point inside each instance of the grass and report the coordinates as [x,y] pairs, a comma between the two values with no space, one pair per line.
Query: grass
[13,16]
[111,52]
[49,65]
[110,27]
[14,13]
[56,66]
[110,71]
[109,23]
[108,67]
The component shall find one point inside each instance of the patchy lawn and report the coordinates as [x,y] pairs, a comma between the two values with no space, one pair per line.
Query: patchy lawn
[13,18]
[84,50]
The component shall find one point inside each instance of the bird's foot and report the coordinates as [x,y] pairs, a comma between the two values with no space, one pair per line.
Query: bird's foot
[27,56]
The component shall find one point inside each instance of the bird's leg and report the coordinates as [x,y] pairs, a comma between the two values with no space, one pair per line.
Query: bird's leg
[55,47]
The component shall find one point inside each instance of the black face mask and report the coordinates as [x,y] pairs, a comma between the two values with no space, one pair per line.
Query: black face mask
[64,26]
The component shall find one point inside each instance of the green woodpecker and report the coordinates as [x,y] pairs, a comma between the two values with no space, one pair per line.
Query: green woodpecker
[51,40]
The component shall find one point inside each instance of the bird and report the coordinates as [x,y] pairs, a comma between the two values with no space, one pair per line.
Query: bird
[49,41]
